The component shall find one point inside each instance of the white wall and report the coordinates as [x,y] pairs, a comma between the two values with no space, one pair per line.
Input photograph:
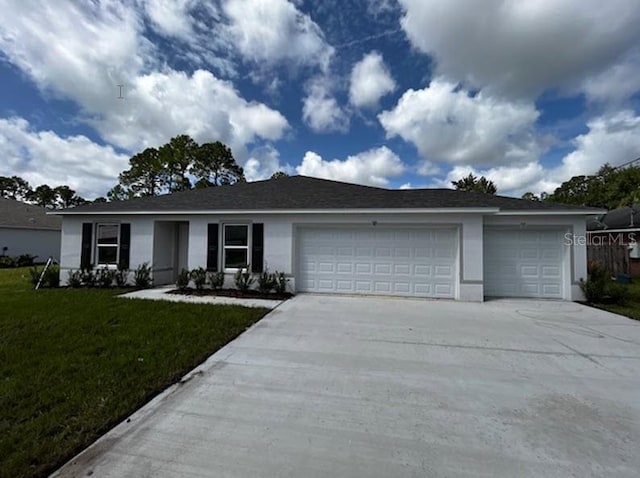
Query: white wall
[37,242]
[280,236]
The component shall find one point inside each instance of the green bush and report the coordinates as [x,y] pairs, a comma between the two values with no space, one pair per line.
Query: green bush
[281,281]
[244,279]
[24,260]
[199,278]
[105,277]
[593,290]
[216,279]
[88,277]
[74,278]
[6,262]
[617,293]
[142,276]
[52,276]
[121,276]
[183,280]
[266,282]
[34,275]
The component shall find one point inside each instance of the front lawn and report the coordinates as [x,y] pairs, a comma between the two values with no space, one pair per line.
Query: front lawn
[75,362]
[632,307]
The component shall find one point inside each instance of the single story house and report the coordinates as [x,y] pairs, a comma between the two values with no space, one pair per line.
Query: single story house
[340,238]
[619,226]
[27,229]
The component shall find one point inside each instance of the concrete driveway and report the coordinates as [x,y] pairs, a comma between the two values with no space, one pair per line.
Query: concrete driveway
[363,387]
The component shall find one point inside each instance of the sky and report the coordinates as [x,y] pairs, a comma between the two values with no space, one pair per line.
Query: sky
[389,93]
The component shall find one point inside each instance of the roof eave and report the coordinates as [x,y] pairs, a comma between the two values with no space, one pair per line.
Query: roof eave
[554,212]
[451,210]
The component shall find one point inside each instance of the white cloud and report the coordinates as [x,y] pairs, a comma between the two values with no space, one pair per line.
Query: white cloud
[526,47]
[171,17]
[370,81]
[446,123]
[43,157]
[320,110]
[373,167]
[275,30]
[49,43]
[612,138]
[263,162]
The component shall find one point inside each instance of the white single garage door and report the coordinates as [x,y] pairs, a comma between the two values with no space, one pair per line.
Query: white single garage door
[523,263]
[377,260]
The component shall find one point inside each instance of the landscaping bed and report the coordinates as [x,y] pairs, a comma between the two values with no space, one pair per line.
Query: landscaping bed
[76,362]
[239,294]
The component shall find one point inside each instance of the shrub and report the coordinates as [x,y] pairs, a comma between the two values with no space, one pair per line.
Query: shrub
[216,279]
[593,290]
[183,280]
[617,293]
[52,276]
[74,278]
[105,277]
[6,262]
[266,282]
[199,277]
[280,282]
[34,275]
[87,276]
[24,260]
[244,279]
[142,276]
[121,276]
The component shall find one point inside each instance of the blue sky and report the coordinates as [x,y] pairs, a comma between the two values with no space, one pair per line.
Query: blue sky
[392,93]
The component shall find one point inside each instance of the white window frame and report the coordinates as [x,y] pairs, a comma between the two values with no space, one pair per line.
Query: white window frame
[116,245]
[225,247]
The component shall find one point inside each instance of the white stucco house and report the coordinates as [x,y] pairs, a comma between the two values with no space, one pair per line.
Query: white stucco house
[27,229]
[343,238]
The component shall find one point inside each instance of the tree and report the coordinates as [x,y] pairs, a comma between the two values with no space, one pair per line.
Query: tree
[473,184]
[279,174]
[119,193]
[66,197]
[178,156]
[146,176]
[530,196]
[43,196]
[215,165]
[14,187]
[608,188]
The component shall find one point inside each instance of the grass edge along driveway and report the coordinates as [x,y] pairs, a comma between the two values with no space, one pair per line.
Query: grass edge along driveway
[75,362]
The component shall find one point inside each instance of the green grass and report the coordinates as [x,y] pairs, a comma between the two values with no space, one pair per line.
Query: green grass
[75,362]
[632,307]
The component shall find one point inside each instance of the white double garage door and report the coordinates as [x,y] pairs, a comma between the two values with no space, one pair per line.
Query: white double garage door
[423,262]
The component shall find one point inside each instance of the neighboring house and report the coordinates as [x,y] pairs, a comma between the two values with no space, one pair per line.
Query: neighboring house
[619,226]
[343,238]
[27,229]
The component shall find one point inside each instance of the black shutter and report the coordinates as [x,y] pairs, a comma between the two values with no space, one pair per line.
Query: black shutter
[212,248]
[125,242]
[87,243]
[257,250]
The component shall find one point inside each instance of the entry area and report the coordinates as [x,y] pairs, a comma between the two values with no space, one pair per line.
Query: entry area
[525,263]
[402,261]
[170,250]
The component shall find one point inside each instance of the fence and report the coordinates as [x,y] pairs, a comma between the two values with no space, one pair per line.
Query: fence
[613,257]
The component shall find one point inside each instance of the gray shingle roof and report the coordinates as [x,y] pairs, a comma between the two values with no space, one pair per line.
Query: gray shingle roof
[305,193]
[20,215]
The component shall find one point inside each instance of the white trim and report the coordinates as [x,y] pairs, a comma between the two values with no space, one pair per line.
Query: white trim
[605,231]
[470,210]
[97,245]
[246,248]
[552,212]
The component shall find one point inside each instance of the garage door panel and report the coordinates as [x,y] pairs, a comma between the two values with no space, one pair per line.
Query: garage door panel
[525,263]
[392,261]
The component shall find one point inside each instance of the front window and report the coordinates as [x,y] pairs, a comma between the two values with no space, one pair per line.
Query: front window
[236,246]
[107,244]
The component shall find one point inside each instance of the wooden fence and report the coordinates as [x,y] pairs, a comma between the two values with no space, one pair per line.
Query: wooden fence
[613,257]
